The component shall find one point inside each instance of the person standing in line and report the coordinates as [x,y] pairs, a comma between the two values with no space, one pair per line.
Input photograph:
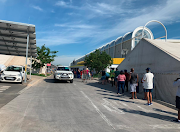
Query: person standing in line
[87,74]
[127,79]
[107,77]
[92,73]
[121,82]
[177,84]
[148,85]
[103,77]
[78,73]
[116,75]
[133,77]
[112,75]
[81,74]
[143,89]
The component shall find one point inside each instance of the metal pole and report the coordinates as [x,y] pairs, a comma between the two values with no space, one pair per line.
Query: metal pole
[30,67]
[157,22]
[26,58]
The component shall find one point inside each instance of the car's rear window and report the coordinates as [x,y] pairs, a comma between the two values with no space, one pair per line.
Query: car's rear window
[14,68]
[63,68]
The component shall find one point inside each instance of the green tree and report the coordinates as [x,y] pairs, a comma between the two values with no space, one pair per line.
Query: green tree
[44,56]
[98,60]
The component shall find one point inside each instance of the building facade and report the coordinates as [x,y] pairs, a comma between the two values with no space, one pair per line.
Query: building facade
[119,48]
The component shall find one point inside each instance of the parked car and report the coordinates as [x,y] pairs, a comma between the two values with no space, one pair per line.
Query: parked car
[13,74]
[2,68]
[64,73]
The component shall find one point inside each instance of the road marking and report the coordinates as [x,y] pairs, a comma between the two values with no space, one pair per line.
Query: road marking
[100,113]
[3,88]
[111,107]
[144,109]
[162,126]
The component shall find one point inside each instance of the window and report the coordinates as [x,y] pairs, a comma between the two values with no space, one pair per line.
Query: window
[138,36]
[14,68]
[63,68]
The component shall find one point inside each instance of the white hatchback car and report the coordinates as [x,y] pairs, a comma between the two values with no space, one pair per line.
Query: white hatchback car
[13,74]
[64,73]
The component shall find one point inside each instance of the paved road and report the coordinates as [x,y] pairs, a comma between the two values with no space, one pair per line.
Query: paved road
[83,107]
[8,91]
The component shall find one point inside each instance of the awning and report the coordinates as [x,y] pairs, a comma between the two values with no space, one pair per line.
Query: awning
[76,66]
[117,60]
[14,37]
[81,63]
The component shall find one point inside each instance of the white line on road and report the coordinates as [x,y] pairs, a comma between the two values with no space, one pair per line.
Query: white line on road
[97,109]
[111,107]
[143,109]
[5,86]
[163,126]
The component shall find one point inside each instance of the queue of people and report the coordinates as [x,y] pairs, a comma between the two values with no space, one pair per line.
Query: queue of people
[122,79]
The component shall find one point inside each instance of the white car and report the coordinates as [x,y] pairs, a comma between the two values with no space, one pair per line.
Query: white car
[64,73]
[13,74]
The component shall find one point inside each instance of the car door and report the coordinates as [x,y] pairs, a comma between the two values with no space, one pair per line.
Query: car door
[23,72]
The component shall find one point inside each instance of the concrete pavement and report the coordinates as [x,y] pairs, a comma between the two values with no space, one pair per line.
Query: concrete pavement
[9,91]
[83,107]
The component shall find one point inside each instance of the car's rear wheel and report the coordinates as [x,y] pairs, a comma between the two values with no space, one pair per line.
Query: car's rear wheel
[71,81]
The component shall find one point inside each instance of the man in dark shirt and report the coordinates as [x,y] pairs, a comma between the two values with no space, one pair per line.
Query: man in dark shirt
[127,79]
[116,74]
[133,78]
[103,77]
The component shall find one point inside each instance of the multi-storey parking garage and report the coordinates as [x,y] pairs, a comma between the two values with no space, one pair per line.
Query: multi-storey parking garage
[119,48]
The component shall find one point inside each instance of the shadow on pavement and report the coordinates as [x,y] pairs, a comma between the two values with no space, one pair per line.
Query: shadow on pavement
[167,112]
[149,114]
[103,88]
[55,81]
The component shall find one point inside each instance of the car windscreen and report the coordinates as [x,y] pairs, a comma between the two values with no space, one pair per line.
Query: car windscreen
[14,68]
[63,68]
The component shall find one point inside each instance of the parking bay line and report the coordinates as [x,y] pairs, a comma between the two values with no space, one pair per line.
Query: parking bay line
[98,111]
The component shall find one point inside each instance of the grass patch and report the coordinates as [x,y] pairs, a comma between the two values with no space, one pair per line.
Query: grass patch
[36,74]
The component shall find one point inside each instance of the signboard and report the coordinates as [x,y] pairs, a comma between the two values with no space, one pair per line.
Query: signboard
[48,64]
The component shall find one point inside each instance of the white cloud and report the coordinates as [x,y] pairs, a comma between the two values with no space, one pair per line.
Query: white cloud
[78,32]
[83,26]
[66,4]
[65,60]
[37,8]
[61,3]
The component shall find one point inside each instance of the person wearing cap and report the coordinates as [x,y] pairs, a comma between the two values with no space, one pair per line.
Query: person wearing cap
[148,85]
[177,84]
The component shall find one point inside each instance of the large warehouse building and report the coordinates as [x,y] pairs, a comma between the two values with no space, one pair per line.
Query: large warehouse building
[119,48]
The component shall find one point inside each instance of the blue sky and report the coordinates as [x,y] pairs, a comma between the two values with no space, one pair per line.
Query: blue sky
[76,27]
